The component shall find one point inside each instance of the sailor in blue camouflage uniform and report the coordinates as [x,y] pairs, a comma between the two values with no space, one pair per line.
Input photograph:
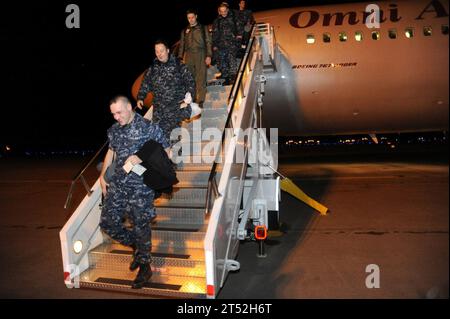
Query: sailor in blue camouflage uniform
[171,84]
[226,40]
[125,193]
[245,20]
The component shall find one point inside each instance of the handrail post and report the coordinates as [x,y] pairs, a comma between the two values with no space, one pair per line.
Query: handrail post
[81,176]
[208,199]
[69,195]
[86,186]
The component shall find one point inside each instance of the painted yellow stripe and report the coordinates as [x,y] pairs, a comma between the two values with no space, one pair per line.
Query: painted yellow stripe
[288,186]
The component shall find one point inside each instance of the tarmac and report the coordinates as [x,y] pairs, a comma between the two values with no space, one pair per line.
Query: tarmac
[391,213]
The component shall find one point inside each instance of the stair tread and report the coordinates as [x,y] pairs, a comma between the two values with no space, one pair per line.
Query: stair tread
[193,183]
[180,227]
[177,209]
[166,285]
[119,260]
[179,215]
[184,196]
[169,204]
[185,253]
[195,166]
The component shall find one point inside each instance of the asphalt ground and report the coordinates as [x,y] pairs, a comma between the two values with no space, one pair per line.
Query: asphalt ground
[391,211]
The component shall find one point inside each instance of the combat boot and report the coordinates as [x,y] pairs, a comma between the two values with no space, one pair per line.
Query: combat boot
[134,263]
[144,274]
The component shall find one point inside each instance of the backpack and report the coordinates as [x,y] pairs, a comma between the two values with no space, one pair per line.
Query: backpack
[203,27]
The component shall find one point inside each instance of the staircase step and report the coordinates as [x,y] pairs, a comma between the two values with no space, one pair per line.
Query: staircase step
[207,148]
[180,227]
[159,285]
[175,236]
[213,87]
[193,197]
[192,178]
[202,124]
[210,113]
[117,259]
[214,113]
[179,215]
[199,178]
[181,253]
[220,104]
[216,94]
[194,167]
[177,239]
[194,159]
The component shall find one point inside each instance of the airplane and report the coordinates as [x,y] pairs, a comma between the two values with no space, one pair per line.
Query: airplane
[336,76]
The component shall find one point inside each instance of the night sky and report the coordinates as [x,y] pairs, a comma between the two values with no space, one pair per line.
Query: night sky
[58,81]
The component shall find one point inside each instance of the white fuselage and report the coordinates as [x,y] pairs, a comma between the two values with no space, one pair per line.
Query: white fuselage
[354,87]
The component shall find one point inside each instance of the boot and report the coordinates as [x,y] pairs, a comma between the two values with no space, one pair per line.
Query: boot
[134,263]
[144,274]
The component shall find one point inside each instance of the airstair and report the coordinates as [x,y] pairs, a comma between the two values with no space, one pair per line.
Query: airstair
[225,190]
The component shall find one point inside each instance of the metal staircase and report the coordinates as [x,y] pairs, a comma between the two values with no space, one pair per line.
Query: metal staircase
[178,260]
[195,235]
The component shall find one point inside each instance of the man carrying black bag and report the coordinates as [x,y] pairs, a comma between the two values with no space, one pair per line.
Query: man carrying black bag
[125,192]
[160,175]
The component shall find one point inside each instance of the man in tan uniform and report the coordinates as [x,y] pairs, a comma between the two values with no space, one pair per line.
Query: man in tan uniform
[195,51]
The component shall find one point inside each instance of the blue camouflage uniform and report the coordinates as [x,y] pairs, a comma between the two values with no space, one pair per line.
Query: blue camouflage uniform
[127,195]
[169,83]
[245,20]
[224,33]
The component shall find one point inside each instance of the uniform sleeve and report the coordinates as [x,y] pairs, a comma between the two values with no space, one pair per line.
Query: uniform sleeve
[146,85]
[181,47]
[109,133]
[208,42]
[188,80]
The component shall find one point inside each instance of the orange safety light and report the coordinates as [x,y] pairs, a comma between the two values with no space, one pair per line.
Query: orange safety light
[260,232]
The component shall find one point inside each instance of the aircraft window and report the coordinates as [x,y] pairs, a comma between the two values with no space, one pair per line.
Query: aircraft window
[358,36]
[392,34]
[375,35]
[326,38]
[409,32]
[444,29]
[310,39]
[342,36]
[427,31]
